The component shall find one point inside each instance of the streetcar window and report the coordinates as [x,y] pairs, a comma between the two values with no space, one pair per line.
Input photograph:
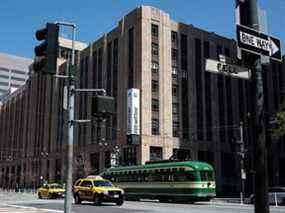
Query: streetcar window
[206,175]
[155,177]
[184,177]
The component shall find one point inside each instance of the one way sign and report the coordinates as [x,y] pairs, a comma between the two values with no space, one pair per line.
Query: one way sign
[259,43]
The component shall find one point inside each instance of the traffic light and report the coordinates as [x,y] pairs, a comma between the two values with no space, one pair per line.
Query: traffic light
[103,105]
[47,52]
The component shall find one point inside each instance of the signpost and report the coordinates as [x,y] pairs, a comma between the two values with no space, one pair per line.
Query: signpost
[258,43]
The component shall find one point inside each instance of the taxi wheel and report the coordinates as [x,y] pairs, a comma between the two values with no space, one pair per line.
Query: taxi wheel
[77,199]
[97,200]
[120,202]
[50,196]
[39,195]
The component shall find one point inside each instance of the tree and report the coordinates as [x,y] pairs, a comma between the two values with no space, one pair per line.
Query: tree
[81,166]
[279,123]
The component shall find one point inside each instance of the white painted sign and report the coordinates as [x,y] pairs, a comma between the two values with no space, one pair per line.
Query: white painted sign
[133,112]
[264,44]
[227,69]
[259,43]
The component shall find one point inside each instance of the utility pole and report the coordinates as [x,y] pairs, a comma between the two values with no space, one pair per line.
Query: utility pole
[70,120]
[70,108]
[249,17]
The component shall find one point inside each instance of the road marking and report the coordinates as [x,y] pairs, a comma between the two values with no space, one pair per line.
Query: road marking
[25,209]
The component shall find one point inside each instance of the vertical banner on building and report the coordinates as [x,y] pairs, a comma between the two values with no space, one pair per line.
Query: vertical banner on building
[133,115]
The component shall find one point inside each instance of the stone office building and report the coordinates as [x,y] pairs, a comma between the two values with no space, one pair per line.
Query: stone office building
[13,73]
[184,111]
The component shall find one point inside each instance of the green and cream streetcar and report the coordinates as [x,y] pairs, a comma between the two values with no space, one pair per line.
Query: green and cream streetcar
[165,180]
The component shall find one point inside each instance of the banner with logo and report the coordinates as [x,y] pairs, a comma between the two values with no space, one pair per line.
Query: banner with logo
[133,112]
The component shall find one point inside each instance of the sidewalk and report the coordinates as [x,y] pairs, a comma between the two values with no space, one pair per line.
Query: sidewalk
[12,197]
[227,200]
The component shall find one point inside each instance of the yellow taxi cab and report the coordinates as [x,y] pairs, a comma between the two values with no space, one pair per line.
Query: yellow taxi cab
[51,191]
[97,190]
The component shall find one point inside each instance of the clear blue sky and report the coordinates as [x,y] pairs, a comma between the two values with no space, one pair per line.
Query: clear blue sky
[19,19]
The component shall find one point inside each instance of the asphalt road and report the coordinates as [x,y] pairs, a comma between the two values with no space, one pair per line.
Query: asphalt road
[30,204]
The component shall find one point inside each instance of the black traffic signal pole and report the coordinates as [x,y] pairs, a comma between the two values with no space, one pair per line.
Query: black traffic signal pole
[47,51]
[46,62]
[249,18]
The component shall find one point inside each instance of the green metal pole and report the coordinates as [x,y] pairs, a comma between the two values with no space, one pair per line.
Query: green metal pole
[249,17]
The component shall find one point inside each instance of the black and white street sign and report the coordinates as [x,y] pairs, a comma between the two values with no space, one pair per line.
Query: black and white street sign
[258,43]
[220,67]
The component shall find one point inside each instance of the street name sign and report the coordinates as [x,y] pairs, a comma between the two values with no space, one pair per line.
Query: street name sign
[231,70]
[256,42]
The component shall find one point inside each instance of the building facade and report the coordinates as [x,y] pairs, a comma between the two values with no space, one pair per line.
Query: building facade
[183,111]
[14,72]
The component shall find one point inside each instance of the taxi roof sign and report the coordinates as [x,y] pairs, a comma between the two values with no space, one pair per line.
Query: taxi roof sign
[96,177]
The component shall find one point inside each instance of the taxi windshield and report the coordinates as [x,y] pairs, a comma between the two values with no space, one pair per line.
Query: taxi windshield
[102,183]
[56,186]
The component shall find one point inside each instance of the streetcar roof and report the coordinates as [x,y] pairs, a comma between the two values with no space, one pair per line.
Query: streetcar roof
[192,165]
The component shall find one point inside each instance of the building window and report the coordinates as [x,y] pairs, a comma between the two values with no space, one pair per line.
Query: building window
[241,99]
[131,58]
[154,49]
[174,37]
[206,156]
[175,128]
[229,106]
[175,90]
[184,74]
[199,89]
[94,162]
[154,66]
[228,165]
[219,50]
[208,106]
[175,108]
[185,106]
[155,126]
[109,68]
[184,53]
[221,107]
[94,71]
[130,156]
[107,159]
[100,68]
[174,73]
[206,49]
[155,105]
[115,67]
[154,30]
[154,86]
[174,55]
[227,52]
[155,153]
